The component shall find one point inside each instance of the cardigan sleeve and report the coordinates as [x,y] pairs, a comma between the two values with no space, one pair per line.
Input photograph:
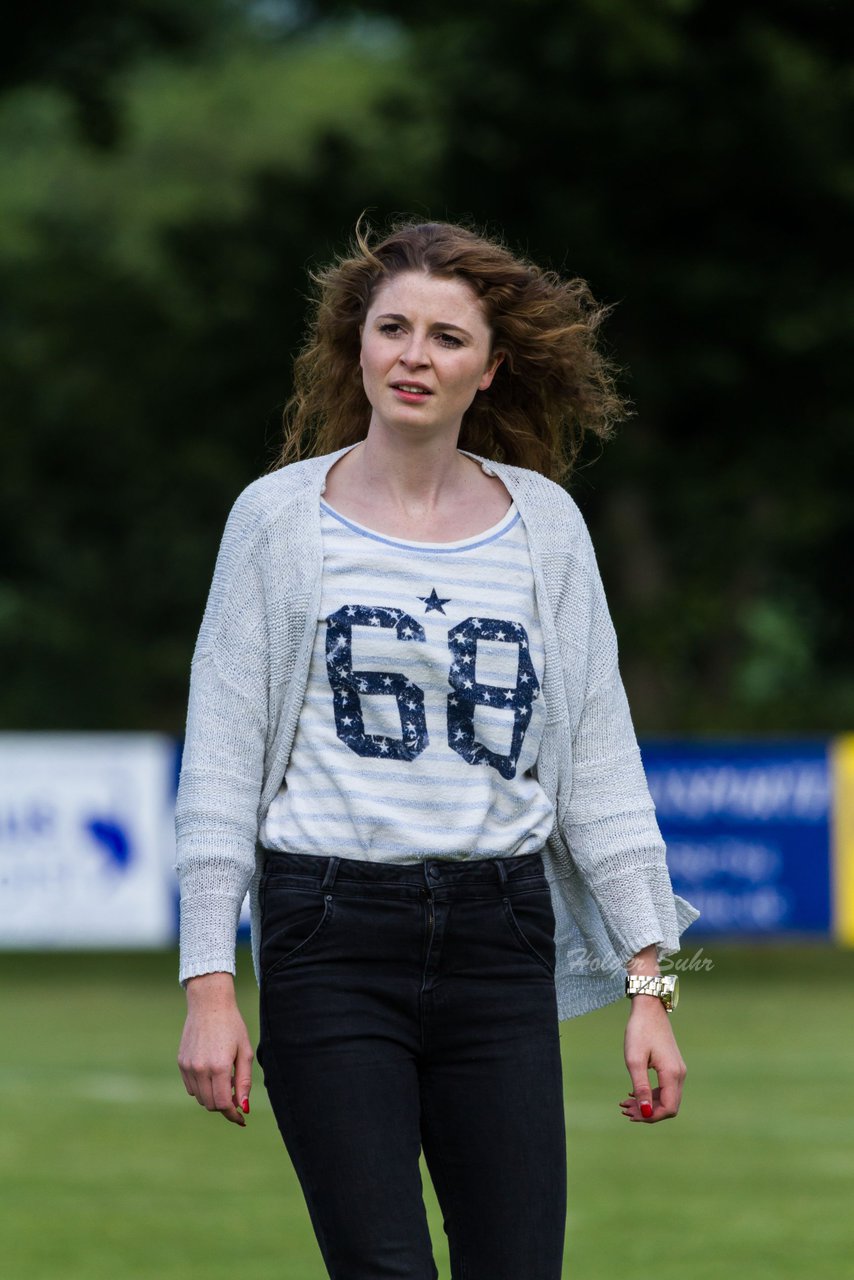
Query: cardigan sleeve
[216,816]
[609,822]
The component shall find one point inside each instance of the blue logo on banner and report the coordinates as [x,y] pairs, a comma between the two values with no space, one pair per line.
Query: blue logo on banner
[113,841]
[747,832]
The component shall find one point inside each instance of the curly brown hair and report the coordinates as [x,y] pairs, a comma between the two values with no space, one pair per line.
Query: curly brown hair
[554,387]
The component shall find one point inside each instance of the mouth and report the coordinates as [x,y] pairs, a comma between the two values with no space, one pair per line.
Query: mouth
[411,389]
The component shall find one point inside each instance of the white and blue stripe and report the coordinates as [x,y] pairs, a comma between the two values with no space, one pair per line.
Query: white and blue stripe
[423,715]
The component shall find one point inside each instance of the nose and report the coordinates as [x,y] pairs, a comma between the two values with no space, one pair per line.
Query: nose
[415,354]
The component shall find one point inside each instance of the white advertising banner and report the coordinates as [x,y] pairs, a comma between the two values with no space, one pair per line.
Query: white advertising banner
[86,840]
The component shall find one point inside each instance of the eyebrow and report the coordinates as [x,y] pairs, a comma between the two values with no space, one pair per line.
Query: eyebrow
[394,315]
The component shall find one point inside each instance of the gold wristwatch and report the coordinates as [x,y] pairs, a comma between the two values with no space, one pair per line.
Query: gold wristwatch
[663,985]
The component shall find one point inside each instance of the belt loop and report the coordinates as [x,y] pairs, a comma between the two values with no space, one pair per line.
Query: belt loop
[329,878]
[502,872]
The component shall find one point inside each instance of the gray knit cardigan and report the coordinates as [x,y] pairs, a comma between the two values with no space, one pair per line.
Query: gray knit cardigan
[604,859]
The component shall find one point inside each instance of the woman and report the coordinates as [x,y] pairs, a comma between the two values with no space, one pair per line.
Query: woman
[408,738]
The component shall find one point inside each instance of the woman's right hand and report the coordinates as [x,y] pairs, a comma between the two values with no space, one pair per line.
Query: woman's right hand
[215,1056]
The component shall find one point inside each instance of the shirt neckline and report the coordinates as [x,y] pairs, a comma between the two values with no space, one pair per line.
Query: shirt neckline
[509,518]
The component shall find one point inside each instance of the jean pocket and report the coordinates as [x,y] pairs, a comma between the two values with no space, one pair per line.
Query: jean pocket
[292,921]
[531,919]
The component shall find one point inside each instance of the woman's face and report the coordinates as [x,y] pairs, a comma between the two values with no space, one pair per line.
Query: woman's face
[426,352]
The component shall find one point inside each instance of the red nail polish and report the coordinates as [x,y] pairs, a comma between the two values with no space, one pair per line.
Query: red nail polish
[646,1110]
[244,1106]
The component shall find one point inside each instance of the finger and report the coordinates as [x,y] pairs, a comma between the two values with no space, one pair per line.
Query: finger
[670,1092]
[641,1087]
[186,1080]
[203,1083]
[212,1091]
[659,1111]
[633,1112]
[631,1109]
[195,1085]
[223,1097]
[188,1074]
[243,1078]
[195,1076]
[205,1090]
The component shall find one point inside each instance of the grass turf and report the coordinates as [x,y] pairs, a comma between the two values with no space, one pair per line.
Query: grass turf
[109,1170]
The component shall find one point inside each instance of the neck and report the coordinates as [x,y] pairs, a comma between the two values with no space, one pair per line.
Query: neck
[409,474]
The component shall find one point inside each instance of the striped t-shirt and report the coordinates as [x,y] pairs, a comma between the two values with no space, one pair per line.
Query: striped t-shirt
[423,713]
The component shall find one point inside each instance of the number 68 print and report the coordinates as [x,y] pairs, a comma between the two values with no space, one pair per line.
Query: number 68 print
[466,694]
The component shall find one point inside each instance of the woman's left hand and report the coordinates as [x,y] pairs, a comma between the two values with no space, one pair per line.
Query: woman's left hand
[650,1044]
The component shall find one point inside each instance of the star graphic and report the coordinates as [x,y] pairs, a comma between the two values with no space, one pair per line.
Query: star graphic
[433,602]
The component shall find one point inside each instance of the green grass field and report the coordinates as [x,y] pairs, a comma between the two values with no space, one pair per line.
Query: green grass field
[110,1172]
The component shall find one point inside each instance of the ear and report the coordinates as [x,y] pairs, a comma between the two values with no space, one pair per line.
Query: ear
[489,374]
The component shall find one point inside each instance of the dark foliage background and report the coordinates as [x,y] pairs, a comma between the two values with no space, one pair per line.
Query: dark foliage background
[172,168]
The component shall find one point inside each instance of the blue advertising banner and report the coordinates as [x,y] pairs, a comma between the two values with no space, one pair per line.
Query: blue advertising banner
[747,827]
[760,836]
[86,840]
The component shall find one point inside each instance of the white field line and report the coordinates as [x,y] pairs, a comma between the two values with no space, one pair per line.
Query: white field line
[128,1089]
[777,1127]
[123,1088]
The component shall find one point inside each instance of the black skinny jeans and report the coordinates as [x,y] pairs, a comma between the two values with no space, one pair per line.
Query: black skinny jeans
[407,1006]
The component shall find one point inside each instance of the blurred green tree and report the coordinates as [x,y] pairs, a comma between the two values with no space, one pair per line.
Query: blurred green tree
[84,48]
[691,161]
[153,296]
